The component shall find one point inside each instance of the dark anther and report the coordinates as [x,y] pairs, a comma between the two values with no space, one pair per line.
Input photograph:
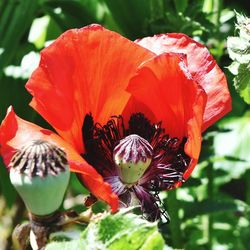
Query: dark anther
[140,125]
[167,166]
[100,140]
[87,130]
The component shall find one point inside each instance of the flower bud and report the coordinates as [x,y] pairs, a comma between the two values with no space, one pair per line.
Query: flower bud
[40,174]
[132,157]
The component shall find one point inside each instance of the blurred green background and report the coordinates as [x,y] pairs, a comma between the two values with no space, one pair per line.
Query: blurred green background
[211,210]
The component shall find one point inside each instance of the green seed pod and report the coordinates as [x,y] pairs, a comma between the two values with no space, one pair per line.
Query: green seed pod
[132,157]
[40,173]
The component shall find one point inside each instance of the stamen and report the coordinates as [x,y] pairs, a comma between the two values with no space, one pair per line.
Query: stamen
[100,142]
[168,164]
[141,158]
[140,125]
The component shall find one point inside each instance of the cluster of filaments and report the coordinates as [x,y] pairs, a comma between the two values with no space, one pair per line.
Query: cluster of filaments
[141,154]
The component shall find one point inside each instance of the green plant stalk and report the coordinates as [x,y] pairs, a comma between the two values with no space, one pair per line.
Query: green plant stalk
[247,176]
[210,194]
[175,223]
[217,8]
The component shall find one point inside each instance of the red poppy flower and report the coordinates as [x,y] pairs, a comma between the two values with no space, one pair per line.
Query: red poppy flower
[130,113]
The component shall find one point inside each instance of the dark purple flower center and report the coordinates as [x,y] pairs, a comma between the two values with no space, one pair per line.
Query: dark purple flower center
[138,161]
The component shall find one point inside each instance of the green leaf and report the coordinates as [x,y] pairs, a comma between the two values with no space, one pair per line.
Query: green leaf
[181,5]
[234,143]
[14,24]
[72,13]
[8,96]
[192,182]
[119,231]
[239,52]
[234,67]
[238,49]
[154,242]
[174,16]
[131,15]
[242,81]
[68,245]
[208,206]
[38,31]
[116,232]
[243,26]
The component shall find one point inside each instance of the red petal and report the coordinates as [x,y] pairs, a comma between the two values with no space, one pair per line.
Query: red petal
[165,86]
[16,132]
[84,70]
[203,68]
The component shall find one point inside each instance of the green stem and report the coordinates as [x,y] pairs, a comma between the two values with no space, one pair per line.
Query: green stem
[175,223]
[217,8]
[247,178]
[210,194]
